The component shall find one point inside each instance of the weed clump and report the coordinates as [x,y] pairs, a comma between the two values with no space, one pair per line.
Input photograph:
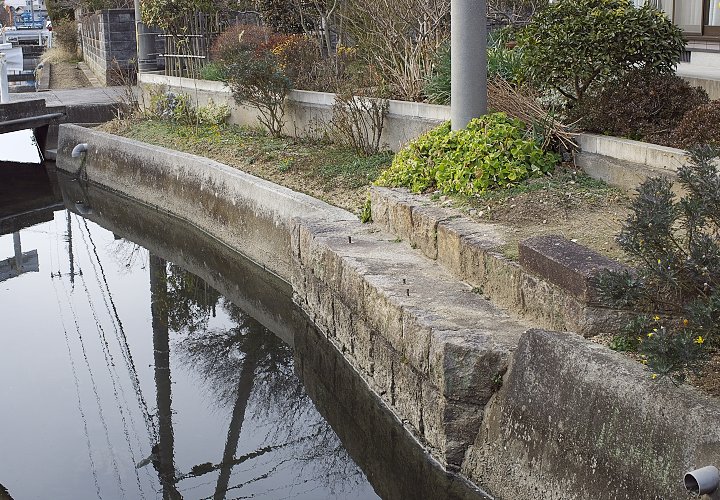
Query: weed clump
[493,151]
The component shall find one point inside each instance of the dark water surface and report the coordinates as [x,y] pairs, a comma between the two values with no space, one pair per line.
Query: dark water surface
[139,358]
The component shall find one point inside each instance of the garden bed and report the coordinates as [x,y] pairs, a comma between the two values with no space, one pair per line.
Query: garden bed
[568,202]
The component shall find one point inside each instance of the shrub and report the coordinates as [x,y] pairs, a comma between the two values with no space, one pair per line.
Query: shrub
[493,151]
[399,39]
[213,114]
[677,245]
[243,38]
[166,105]
[299,57]
[358,121]
[573,45]
[258,81]
[699,126]
[65,35]
[213,71]
[254,72]
[640,105]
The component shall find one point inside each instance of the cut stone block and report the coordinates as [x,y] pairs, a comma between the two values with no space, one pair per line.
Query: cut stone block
[566,264]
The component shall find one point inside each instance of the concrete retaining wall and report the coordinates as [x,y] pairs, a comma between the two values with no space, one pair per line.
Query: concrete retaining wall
[576,420]
[306,113]
[244,211]
[571,418]
[619,162]
[625,163]
[470,251]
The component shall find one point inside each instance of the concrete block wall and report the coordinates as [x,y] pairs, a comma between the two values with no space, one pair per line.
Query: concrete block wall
[108,44]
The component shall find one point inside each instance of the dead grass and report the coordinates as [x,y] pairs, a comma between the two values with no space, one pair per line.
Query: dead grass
[332,173]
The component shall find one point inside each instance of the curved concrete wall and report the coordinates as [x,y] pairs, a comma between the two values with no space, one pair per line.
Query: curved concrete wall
[244,211]
[568,420]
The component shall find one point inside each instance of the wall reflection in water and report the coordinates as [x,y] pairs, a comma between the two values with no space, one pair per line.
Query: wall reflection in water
[146,360]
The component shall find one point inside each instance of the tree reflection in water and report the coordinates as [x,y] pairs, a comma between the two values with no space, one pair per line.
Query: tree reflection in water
[250,370]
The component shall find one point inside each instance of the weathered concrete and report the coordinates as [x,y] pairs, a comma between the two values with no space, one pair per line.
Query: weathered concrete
[398,466]
[431,347]
[625,163]
[85,106]
[306,113]
[571,266]
[260,294]
[246,212]
[576,420]
[470,251]
[572,420]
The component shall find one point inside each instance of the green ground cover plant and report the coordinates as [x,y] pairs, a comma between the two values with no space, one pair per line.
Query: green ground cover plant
[493,151]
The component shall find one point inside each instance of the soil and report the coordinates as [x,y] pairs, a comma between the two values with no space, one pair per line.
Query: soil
[67,75]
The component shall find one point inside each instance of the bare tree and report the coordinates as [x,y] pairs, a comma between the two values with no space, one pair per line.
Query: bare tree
[399,38]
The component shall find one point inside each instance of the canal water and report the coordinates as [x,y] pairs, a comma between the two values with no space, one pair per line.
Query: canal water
[139,358]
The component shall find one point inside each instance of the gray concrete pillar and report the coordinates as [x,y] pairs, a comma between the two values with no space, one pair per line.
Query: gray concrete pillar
[468,52]
[144,43]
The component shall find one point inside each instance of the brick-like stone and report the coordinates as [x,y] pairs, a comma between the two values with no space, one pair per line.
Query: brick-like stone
[571,266]
[384,356]
[425,223]
[467,365]
[407,396]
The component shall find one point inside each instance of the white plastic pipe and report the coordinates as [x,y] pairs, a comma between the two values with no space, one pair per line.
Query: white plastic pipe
[4,89]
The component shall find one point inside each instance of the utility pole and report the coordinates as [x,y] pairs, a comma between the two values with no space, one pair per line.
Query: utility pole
[468,56]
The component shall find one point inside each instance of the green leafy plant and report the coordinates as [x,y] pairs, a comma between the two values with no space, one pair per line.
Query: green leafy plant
[640,105]
[366,211]
[573,45]
[677,246]
[213,71]
[493,151]
[213,114]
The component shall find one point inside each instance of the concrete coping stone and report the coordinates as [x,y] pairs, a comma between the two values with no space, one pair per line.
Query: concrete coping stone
[471,251]
[652,155]
[419,110]
[567,264]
